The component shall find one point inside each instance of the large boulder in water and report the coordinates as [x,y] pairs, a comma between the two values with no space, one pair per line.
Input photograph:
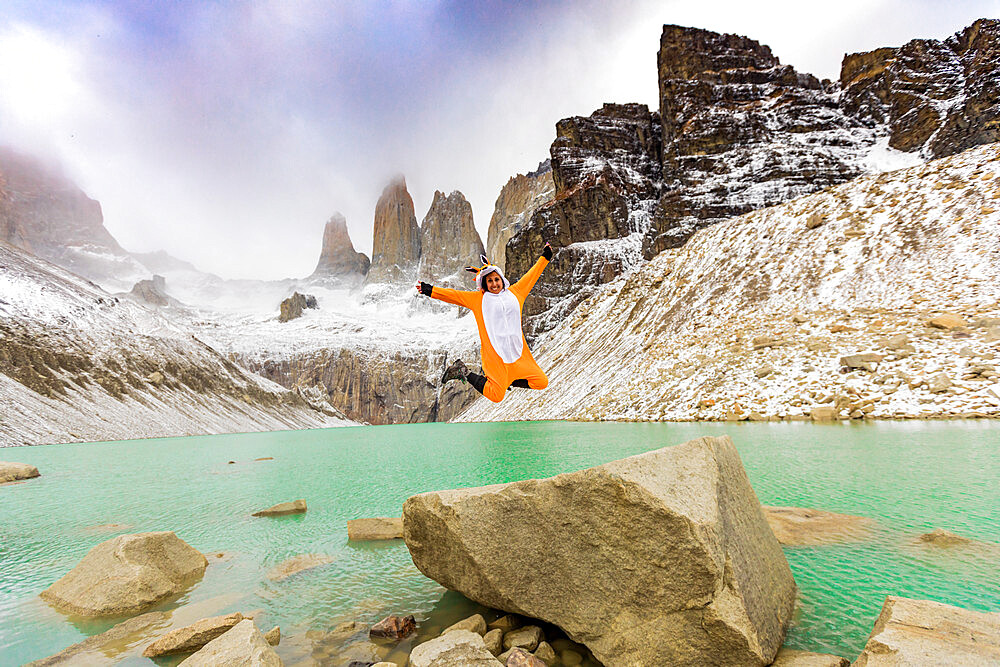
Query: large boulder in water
[920,632]
[127,574]
[659,559]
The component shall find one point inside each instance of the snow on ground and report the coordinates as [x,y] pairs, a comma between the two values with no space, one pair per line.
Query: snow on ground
[750,319]
[81,364]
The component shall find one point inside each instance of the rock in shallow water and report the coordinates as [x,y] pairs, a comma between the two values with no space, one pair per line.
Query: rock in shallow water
[923,633]
[12,472]
[243,646]
[192,637]
[281,509]
[800,526]
[661,558]
[127,574]
[460,648]
[87,651]
[789,658]
[378,528]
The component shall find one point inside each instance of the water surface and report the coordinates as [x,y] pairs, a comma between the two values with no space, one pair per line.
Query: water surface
[911,477]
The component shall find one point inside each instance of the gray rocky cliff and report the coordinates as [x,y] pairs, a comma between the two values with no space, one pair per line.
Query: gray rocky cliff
[396,236]
[390,388]
[448,241]
[338,259]
[518,200]
[936,97]
[738,131]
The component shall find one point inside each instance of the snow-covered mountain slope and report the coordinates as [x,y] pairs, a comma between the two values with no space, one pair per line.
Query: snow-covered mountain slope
[752,317]
[377,357]
[77,364]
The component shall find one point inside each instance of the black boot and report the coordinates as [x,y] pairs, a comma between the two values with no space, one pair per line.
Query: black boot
[457,371]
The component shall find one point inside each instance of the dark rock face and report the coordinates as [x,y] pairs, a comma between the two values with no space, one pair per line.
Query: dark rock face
[607,179]
[741,131]
[396,388]
[936,97]
[448,241]
[153,292]
[519,199]
[738,131]
[396,239]
[339,259]
[293,306]
[43,212]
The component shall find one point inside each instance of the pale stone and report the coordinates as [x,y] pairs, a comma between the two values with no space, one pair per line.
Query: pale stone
[526,638]
[814,220]
[947,321]
[273,636]
[127,574]
[297,564]
[475,623]
[799,526]
[920,633]
[379,528]
[939,382]
[518,657]
[95,646]
[790,658]
[12,472]
[293,507]
[460,648]
[494,641]
[824,413]
[192,637]
[868,361]
[243,646]
[505,623]
[686,523]
[545,653]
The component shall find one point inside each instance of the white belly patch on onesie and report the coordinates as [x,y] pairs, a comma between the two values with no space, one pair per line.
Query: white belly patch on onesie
[502,317]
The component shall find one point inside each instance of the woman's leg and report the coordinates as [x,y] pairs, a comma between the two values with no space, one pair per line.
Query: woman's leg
[533,377]
[488,387]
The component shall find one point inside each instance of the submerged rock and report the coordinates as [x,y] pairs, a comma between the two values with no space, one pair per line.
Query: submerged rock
[127,574]
[379,528]
[800,526]
[281,509]
[297,564]
[96,645]
[682,522]
[243,646]
[455,649]
[919,633]
[394,627]
[789,658]
[192,637]
[12,472]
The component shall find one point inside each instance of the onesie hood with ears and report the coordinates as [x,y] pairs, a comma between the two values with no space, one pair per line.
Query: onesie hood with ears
[485,270]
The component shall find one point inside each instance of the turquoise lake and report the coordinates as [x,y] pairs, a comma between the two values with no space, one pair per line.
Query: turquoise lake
[910,477]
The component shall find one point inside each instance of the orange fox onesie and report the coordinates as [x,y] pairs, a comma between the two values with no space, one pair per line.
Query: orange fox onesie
[505,353]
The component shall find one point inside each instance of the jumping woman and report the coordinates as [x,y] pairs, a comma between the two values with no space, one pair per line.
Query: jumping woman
[507,361]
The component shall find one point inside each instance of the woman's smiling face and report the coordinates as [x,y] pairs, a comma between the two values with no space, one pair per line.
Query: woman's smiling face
[494,283]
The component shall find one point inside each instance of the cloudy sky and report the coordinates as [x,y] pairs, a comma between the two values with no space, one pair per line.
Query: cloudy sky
[227,133]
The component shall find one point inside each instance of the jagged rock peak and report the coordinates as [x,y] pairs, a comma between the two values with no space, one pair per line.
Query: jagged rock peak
[338,256]
[688,53]
[396,237]
[448,239]
[936,97]
[518,200]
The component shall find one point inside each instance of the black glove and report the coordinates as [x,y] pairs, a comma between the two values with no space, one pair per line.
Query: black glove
[425,288]
[547,252]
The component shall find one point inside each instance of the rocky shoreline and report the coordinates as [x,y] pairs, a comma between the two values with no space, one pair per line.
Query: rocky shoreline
[665,557]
